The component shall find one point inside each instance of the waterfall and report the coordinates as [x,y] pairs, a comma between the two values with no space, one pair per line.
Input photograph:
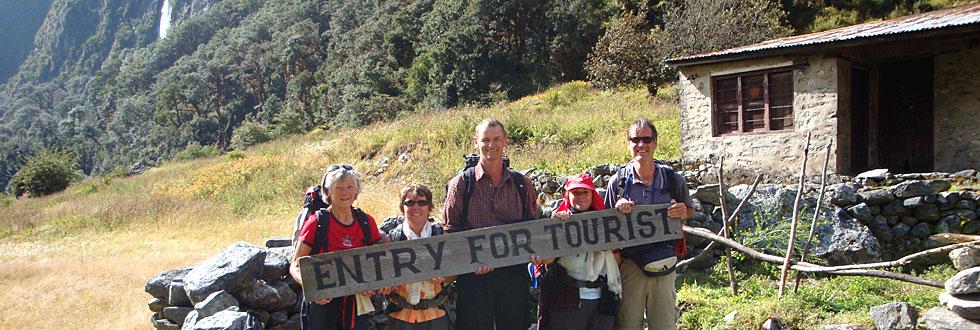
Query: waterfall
[164,19]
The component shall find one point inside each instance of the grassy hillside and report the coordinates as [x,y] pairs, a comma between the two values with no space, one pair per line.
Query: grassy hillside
[83,256]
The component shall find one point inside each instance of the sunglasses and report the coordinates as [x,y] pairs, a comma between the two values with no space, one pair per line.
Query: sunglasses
[645,139]
[414,203]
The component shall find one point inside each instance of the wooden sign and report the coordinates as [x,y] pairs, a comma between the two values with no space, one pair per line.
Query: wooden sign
[348,272]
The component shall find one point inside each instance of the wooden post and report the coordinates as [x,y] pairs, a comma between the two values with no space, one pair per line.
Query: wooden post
[725,229]
[731,220]
[816,214]
[796,217]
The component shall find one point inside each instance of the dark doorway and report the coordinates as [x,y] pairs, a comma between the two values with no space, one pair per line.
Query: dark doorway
[860,101]
[905,98]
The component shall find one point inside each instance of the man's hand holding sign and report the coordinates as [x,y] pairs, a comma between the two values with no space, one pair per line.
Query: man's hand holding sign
[375,267]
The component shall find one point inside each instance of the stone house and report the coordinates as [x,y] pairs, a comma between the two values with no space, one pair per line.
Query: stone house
[902,94]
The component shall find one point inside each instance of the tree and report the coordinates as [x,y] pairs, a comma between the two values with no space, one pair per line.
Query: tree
[698,26]
[628,55]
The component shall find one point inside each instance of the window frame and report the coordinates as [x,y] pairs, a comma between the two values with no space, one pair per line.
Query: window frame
[766,129]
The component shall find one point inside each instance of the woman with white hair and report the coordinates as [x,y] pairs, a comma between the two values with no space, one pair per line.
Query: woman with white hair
[338,227]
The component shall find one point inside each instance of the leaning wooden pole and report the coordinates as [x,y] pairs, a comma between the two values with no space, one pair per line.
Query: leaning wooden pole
[816,213]
[725,228]
[849,270]
[731,220]
[796,217]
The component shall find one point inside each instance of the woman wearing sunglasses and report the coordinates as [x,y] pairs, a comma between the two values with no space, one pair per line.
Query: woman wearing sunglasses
[417,306]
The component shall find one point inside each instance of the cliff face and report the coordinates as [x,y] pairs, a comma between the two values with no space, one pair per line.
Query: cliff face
[19,20]
[77,36]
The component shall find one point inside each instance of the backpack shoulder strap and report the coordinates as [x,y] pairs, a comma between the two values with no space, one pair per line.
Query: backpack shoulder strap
[362,219]
[521,186]
[622,175]
[469,182]
[670,184]
[320,238]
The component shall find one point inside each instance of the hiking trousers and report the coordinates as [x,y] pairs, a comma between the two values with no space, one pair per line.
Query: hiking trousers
[497,300]
[654,297]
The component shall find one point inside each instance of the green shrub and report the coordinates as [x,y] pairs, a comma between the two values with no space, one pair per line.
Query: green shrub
[5,200]
[249,134]
[235,154]
[195,150]
[47,172]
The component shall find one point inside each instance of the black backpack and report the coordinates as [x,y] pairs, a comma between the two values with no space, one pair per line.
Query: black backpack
[670,185]
[469,177]
[322,223]
[398,233]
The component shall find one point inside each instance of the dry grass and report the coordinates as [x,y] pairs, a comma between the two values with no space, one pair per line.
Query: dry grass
[81,258]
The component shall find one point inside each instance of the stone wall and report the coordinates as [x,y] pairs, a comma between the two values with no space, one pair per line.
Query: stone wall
[815,107]
[957,109]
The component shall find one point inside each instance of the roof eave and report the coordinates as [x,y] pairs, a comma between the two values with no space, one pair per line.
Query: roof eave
[820,47]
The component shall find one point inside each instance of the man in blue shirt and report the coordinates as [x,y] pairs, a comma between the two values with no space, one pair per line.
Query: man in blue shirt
[647,271]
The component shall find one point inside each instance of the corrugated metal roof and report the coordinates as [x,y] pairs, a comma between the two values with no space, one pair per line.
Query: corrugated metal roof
[945,18]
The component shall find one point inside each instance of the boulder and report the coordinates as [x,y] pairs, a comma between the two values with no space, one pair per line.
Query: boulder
[189,320]
[165,325]
[773,323]
[156,305]
[229,270]
[877,174]
[965,205]
[176,314]
[844,240]
[877,196]
[895,208]
[971,227]
[938,185]
[966,305]
[709,193]
[843,194]
[926,212]
[277,318]
[913,202]
[276,264]
[900,230]
[921,230]
[911,189]
[223,320]
[268,296]
[965,257]
[277,242]
[214,303]
[843,327]
[159,285]
[965,282]
[178,297]
[894,315]
[292,324]
[948,224]
[861,212]
[939,318]
[965,215]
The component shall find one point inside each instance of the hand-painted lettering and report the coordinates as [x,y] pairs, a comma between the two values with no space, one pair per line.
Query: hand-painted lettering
[611,226]
[521,239]
[590,232]
[398,264]
[344,270]
[641,219]
[322,275]
[436,253]
[498,245]
[474,248]
[376,257]
[573,240]
[553,229]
